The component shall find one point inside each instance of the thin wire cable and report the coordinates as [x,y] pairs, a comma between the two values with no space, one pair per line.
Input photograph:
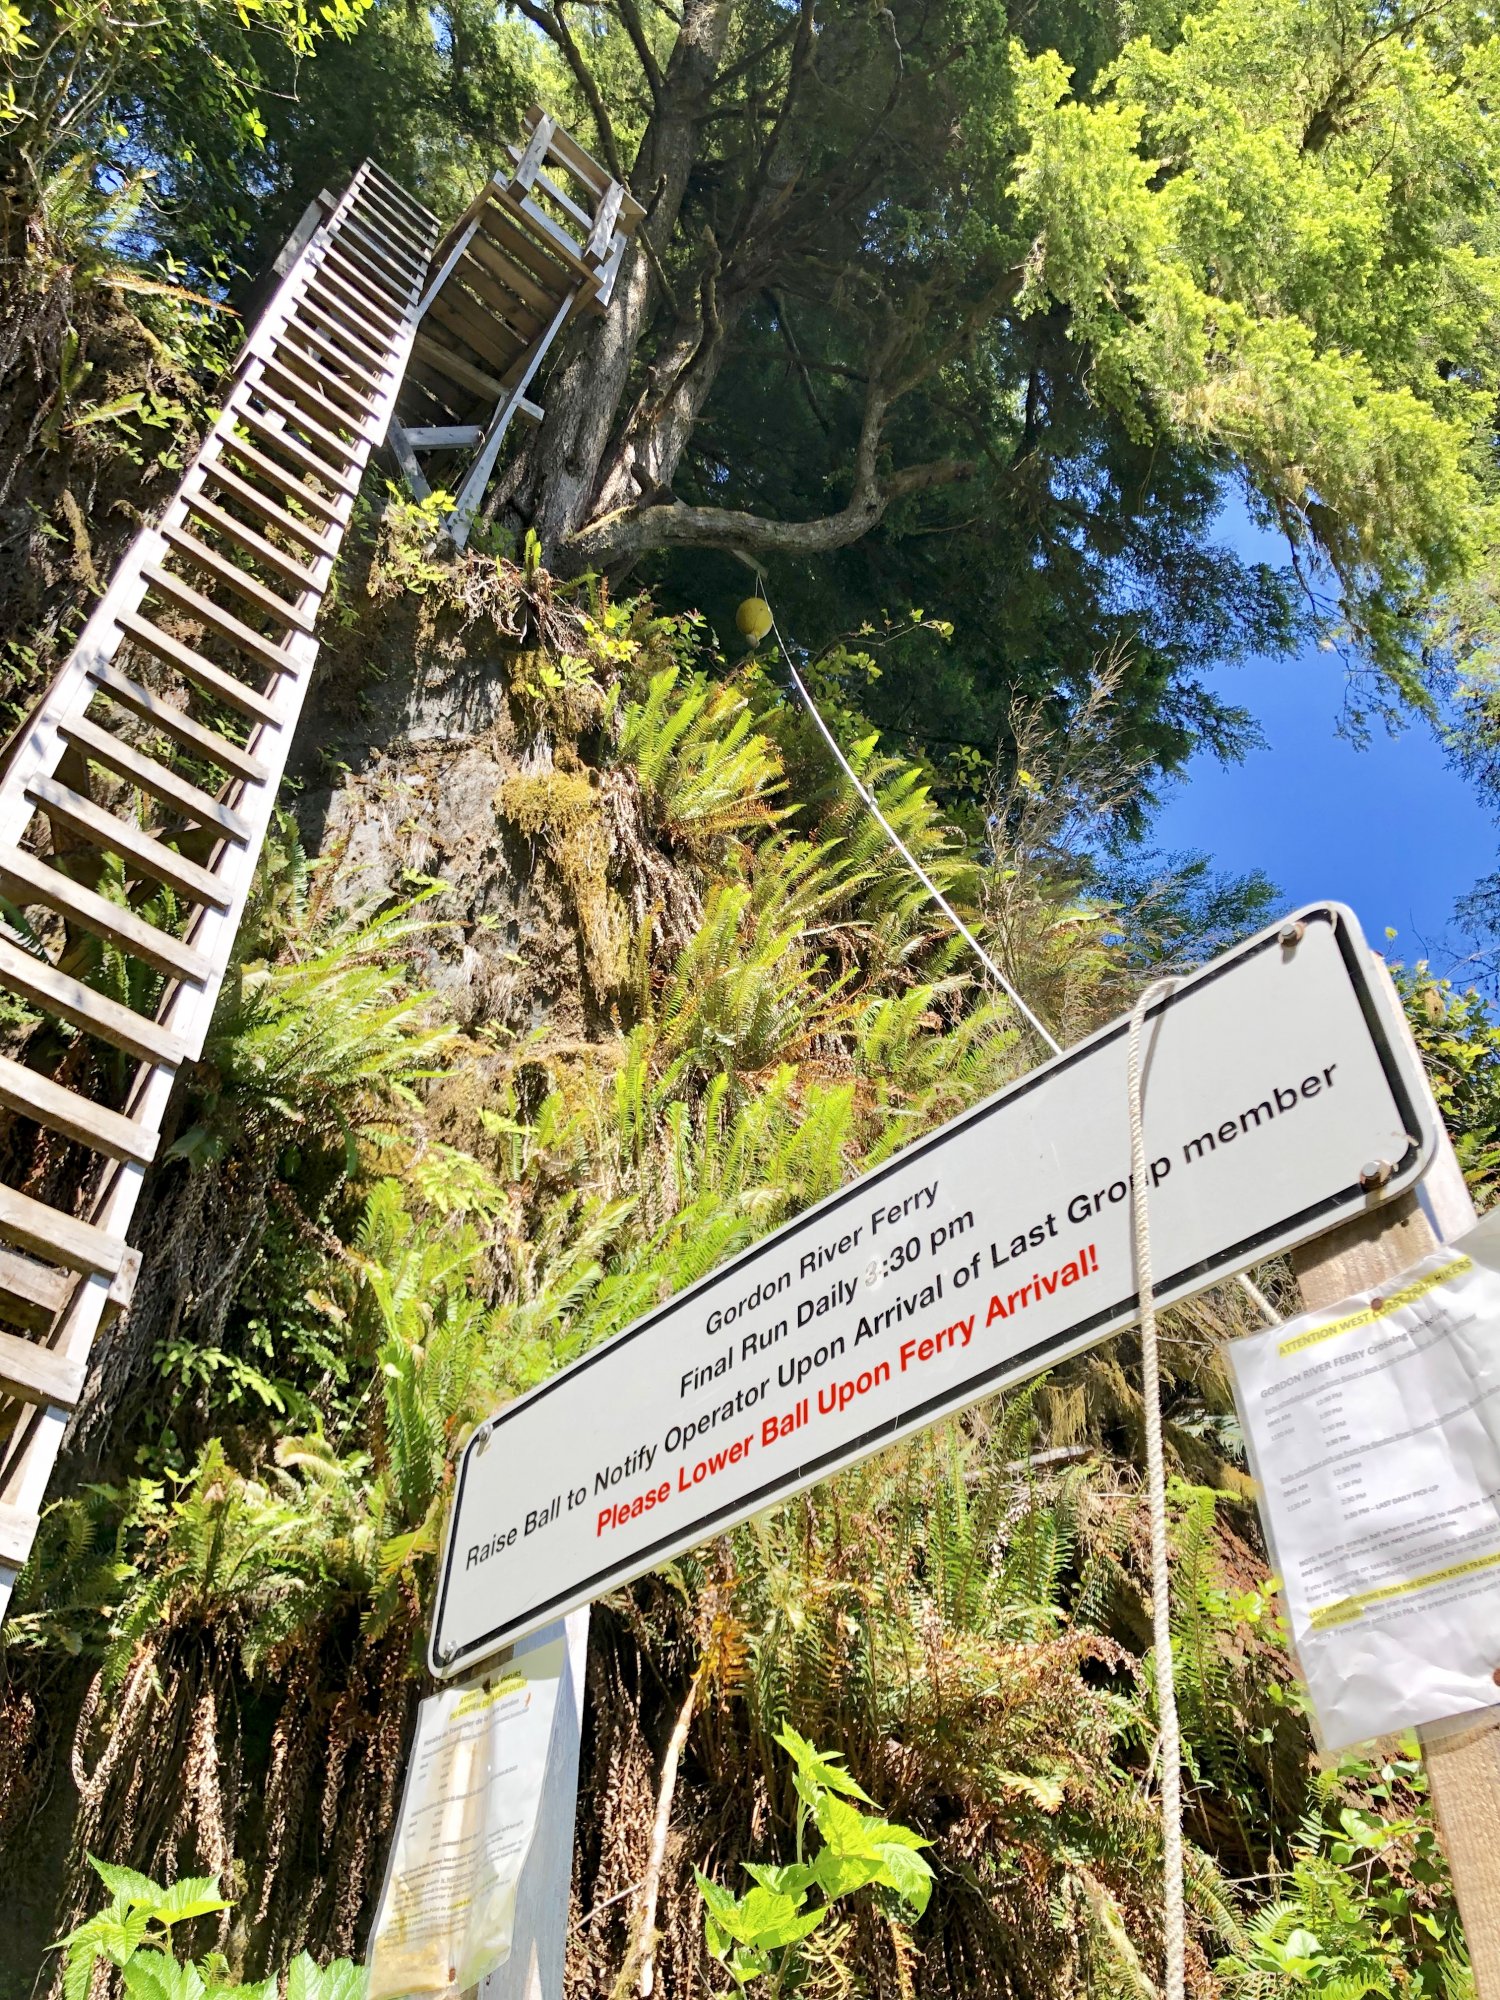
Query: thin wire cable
[1272,1317]
[1156,1486]
[903,850]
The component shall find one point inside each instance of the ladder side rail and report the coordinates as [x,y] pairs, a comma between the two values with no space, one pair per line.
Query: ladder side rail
[471,493]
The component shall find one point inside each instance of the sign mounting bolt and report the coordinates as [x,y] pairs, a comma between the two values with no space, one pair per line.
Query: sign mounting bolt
[1291,935]
[1374,1174]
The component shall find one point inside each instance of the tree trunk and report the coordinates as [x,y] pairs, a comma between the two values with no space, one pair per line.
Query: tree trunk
[552,484]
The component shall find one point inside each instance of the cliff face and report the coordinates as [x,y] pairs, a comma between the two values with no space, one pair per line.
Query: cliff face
[571,971]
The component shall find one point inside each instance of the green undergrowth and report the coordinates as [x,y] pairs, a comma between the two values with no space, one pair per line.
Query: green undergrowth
[235,1606]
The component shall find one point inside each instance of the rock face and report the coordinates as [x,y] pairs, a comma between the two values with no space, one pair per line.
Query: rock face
[415,745]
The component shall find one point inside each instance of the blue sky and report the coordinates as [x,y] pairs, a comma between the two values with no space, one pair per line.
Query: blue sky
[1392,829]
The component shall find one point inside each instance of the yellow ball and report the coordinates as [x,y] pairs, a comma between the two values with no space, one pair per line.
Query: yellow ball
[754,619]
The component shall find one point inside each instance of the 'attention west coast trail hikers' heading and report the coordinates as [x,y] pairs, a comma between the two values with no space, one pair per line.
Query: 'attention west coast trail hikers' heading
[997,1245]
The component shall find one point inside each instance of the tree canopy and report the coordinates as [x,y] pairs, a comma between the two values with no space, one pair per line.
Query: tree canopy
[985,311]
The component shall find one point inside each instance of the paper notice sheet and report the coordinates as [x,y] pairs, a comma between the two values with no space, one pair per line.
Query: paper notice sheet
[467,1817]
[1374,1431]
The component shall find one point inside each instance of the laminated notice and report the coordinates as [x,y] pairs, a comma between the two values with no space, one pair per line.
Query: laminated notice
[473,1789]
[1374,1432]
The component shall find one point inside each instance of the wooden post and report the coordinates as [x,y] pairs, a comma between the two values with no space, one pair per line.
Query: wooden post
[534,1970]
[1462,1757]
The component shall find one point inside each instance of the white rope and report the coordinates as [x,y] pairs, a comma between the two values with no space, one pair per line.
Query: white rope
[1156,1477]
[1252,1292]
[904,851]
[1156,1485]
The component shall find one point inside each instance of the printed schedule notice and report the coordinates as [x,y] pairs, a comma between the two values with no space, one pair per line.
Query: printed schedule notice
[1374,1431]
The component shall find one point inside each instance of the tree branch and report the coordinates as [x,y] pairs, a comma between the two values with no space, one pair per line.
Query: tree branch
[754,61]
[556,29]
[789,339]
[626,533]
[635,27]
[632,532]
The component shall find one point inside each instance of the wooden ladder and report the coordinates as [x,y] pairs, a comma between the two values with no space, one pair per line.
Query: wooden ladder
[135,800]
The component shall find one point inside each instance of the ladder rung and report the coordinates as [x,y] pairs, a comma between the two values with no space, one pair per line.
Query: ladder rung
[17,1533]
[163,783]
[260,422]
[394,191]
[287,483]
[36,1374]
[312,354]
[352,310]
[28,880]
[361,250]
[356,300]
[32,1295]
[309,397]
[411,215]
[368,217]
[351,267]
[370,195]
[347,447]
[338,339]
[180,592]
[397,220]
[62,1110]
[405,215]
[292,358]
[367,224]
[35,980]
[113,835]
[179,725]
[204,511]
[228,688]
[351,251]
[78,1246]
[230,574]
[261,503]
[368,212]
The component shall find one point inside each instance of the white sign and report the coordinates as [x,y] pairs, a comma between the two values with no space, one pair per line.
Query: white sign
[1374,1431]
[468,1814]
[979,1255]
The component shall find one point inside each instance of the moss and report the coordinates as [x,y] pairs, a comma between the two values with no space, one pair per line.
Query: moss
[563,811]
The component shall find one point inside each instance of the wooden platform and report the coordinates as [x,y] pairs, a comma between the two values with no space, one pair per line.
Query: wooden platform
[542,240]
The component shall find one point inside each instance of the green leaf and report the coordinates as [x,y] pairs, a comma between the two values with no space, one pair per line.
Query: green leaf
[818,1767]
[339,1981]
[135,1888]
[109,1935]
[908,1873]
[846,1830]
[193,1896]
[841,1874]
[789,1880]
[720,1901]
[155,1976]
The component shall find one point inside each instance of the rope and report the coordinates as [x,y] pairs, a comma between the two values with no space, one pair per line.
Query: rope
[1252,1291]
[1156,1476]
[1156,1484]
[903,850]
